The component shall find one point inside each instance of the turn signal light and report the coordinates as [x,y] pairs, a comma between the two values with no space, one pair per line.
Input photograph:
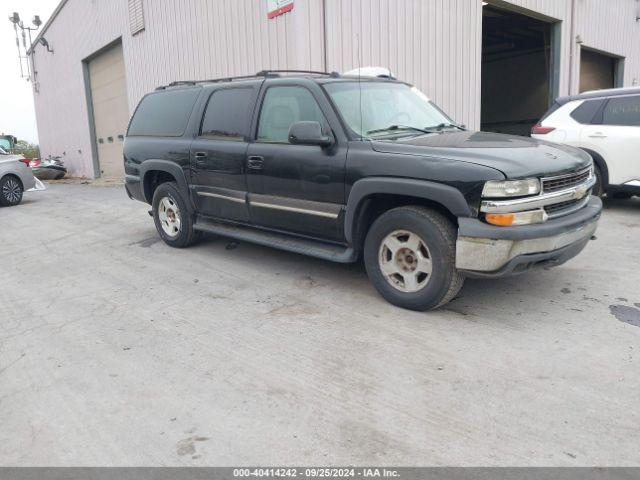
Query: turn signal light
[501,219]
[519,218]
[540,130]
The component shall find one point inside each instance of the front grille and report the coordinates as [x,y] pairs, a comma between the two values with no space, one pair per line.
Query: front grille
[565,181]
[563,208]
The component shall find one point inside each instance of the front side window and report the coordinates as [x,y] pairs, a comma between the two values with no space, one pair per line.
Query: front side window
[624,111]
[164,114]
[284,106]
[228,114]
[367,107]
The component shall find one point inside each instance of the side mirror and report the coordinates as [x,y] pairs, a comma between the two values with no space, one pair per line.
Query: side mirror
[308,133]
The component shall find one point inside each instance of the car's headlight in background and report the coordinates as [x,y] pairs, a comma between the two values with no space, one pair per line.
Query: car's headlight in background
[511,188]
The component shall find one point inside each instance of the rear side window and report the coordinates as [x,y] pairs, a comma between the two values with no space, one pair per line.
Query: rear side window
[164,114]
[587,111]
[228,114]
[623,111]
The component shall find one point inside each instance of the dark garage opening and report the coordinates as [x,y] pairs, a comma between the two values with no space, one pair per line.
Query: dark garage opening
[598,70]
[517,79]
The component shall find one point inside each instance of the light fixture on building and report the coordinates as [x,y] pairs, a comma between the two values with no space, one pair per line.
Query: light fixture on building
[25,31]
[43,41]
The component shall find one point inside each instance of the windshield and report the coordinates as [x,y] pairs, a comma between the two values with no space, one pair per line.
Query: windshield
[387,108]
[2,152]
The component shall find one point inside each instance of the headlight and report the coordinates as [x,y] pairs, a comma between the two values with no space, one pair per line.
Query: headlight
[511,188]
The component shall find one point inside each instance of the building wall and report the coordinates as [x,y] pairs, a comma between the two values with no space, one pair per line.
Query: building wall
[186,39]
[435,44]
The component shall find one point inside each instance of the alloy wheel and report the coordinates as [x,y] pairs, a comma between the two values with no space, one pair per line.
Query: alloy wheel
[11,191]
[169,216]
[405,261]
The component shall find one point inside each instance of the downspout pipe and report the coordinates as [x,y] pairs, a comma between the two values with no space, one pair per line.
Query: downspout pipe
[572,46]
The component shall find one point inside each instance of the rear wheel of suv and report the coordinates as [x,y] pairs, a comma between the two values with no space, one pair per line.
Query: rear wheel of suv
[409,255]
[10,191]
[172,218]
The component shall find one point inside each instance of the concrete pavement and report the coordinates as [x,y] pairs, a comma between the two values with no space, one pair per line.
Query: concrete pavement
[118,350]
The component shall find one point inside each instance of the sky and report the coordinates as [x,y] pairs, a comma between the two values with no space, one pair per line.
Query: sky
[17,113]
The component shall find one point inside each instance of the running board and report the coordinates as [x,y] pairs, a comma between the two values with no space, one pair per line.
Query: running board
[304,246]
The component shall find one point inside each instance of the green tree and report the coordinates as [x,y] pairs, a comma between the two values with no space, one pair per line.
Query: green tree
[29,150]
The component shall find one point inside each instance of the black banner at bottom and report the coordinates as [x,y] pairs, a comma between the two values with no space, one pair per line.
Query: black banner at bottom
[233,473]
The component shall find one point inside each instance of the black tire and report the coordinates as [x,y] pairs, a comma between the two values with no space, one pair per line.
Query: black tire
[185,235]
[11,191]
[438,234]
[621,195]
[598,188]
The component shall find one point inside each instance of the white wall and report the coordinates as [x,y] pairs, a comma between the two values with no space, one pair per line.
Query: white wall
[435,44]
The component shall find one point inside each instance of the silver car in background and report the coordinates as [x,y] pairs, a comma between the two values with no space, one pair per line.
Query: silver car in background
[15,179]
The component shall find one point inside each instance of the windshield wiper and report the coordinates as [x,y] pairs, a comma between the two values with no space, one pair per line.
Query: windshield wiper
[393,128]
[442,126]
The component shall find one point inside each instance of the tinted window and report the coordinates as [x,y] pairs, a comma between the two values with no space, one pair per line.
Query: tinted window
[283,106]
[164,114]
[586,111]
[622,111]
[228,114]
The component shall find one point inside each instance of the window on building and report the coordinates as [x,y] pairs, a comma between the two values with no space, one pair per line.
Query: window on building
[623,111]
[136,16]
[284,106]
[164,114]
[228,113]
[586,111]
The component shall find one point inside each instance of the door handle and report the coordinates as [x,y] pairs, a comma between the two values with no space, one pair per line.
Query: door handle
[598,135]
[255,162]
[201,158]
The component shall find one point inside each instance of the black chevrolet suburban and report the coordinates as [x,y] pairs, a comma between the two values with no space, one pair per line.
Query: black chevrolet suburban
[341,167]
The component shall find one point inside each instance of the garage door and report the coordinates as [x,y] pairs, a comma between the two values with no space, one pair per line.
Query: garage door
[110,109]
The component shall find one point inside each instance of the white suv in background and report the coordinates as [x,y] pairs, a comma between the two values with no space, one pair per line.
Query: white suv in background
[606,124]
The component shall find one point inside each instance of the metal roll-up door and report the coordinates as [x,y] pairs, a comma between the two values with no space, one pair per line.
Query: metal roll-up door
[110,109]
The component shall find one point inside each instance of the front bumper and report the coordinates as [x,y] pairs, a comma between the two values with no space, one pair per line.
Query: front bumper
[38,186]
[484,250]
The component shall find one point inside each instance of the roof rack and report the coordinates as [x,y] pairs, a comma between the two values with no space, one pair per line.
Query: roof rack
[262,73]
[311,72]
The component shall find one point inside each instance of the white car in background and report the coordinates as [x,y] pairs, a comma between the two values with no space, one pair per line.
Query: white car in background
[15,179]
[605,124]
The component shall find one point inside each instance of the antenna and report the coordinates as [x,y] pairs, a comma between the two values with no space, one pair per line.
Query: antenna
[360,84]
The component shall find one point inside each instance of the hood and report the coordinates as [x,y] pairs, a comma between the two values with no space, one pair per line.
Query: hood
[515,157]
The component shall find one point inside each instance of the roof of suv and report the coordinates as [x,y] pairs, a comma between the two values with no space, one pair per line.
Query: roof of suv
[608,93]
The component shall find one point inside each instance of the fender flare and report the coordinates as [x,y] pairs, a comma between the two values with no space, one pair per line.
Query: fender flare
[171,168]
[601,163]
[445,195]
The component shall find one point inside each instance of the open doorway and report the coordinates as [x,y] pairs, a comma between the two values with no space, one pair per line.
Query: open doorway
[599,70]
[518,78]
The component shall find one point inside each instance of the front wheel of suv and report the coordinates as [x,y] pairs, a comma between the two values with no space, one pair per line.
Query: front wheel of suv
[172,217]
[409,255]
